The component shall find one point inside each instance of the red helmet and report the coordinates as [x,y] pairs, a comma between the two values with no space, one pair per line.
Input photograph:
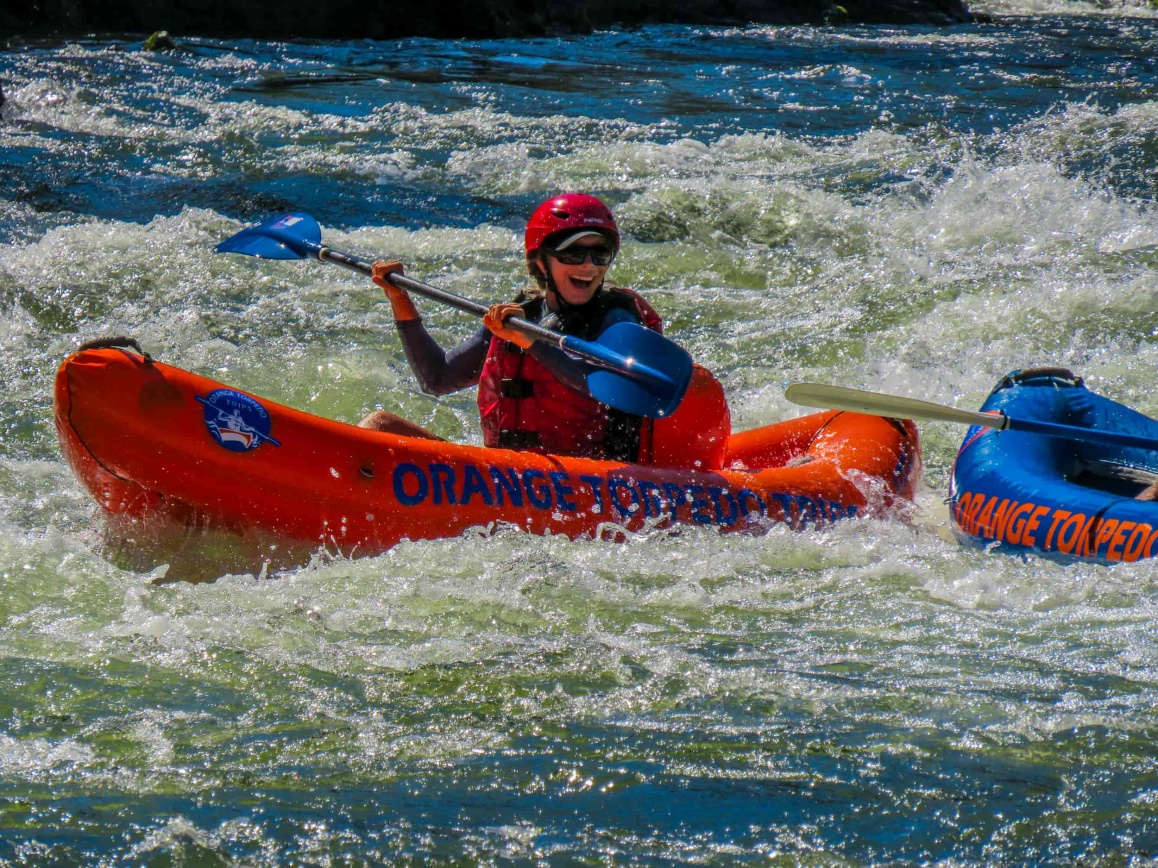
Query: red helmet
[575,211]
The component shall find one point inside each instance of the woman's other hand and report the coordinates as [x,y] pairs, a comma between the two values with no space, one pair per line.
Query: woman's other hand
[400,300]
[495,320]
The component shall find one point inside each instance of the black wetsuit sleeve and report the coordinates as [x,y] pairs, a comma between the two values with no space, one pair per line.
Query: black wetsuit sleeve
[440,372]
[570,371]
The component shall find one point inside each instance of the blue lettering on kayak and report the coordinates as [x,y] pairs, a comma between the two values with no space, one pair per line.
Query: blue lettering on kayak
[789,511]
[652,496]
[720,498]
[675,498]
[701,504]
[596,485]
[616,485]
[442,484]
[746,495]
[563,491]
[507,485]
[538,494]
[473,483]
[422,487]
[442,481]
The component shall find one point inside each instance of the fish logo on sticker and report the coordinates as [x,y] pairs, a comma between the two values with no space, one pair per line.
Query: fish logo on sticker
[236,421]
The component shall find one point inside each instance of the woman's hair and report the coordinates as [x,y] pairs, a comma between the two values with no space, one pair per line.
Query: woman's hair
[535,270]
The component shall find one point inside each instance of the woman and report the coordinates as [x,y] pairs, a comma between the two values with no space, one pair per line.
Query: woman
[533,395]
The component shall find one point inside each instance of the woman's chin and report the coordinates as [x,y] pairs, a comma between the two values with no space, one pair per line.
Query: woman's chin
[576,294]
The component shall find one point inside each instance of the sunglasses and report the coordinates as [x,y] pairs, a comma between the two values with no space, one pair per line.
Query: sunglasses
[600,256]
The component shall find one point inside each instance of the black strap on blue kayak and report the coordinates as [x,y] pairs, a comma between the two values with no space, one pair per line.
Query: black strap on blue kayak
[1043,372]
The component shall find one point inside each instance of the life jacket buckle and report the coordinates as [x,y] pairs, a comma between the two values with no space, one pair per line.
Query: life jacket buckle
[517,389]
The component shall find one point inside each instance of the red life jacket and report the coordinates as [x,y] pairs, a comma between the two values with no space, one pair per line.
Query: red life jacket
[523,406]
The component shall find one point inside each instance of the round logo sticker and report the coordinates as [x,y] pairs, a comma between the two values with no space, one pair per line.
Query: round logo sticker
[236,421]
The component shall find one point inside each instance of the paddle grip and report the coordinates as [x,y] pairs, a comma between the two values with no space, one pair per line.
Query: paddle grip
[325,254]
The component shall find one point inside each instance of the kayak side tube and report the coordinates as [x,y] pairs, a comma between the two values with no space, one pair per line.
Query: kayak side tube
[149,440]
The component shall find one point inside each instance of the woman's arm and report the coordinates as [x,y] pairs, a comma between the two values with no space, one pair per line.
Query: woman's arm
[439,372]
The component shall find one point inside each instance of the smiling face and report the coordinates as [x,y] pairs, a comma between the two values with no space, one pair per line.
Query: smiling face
[574,271]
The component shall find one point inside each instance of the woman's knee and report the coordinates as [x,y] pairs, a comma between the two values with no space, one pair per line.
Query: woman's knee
[388,423]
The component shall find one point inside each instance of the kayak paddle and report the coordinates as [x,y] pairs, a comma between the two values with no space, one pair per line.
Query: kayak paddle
[879,404]
[639,371]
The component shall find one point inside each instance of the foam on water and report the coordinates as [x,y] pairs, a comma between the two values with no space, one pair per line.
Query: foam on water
[1107,8]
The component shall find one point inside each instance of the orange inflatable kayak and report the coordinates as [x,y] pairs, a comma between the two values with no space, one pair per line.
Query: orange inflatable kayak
[151,441]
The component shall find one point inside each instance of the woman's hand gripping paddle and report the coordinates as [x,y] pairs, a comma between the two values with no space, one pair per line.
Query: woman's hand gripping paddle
[878,404]
[637,370]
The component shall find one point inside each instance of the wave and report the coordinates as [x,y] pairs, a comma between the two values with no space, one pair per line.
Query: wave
[1108,8]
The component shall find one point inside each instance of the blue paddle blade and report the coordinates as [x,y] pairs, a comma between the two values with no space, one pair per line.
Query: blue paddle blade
[288,236]
[650,374]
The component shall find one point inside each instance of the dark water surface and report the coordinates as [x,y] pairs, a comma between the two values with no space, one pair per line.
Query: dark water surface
[908,210]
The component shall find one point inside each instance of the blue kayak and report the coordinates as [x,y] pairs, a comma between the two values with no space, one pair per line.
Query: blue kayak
[1070,499]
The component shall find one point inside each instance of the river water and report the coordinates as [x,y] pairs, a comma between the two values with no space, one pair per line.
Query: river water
[902,209]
